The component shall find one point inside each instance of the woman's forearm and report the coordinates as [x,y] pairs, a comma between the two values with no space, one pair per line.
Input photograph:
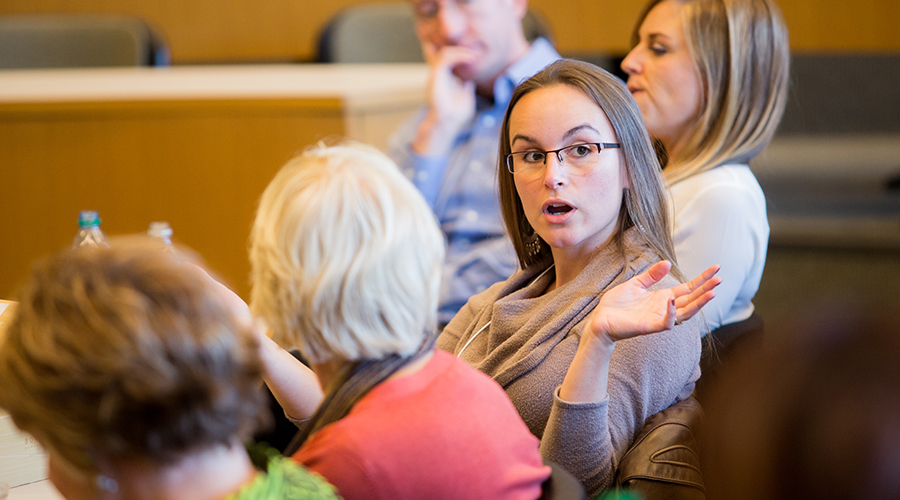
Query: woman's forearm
[587,379]
[293,384]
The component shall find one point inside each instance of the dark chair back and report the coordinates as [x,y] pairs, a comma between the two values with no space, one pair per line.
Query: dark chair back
[561,485]
[385,32]
[78,40]
[723,344]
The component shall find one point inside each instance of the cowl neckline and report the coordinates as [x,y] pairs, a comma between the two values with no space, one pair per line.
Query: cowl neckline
[526,324]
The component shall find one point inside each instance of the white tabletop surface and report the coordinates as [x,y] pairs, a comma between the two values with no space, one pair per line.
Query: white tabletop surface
[41,490]
[364,83]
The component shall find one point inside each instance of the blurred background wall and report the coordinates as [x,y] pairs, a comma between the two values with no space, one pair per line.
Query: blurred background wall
[210,31]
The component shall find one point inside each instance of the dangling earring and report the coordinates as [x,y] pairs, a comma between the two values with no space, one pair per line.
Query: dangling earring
[533,244]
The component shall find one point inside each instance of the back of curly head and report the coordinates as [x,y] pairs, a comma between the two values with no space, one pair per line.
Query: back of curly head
[123,352]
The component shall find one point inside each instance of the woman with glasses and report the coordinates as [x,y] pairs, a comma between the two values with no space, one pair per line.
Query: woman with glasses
[710,78]
[584,204]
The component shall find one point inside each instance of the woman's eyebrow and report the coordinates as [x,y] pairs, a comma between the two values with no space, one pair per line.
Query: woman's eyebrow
[524,138]
[655,37]
[574,130]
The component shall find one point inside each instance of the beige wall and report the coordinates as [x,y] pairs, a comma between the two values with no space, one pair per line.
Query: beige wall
[286,30]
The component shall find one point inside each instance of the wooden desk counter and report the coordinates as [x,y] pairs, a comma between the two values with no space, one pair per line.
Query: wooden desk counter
[194,146]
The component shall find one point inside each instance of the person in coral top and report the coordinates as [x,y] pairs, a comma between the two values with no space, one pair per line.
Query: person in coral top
[346,260]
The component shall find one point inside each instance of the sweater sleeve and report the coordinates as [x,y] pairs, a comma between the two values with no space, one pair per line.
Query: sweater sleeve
[646,375]
[577,438]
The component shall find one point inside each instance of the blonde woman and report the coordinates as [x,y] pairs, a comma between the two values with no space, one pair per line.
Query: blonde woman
[133,373]
[710,78]
[346,259]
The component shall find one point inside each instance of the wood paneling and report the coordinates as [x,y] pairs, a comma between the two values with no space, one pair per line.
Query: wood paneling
[840,26]
[287,30]
[214,31]
[589,26]
[201,170]
[200,164]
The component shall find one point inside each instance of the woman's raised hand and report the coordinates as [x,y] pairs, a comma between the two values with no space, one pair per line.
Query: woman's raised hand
[631,308]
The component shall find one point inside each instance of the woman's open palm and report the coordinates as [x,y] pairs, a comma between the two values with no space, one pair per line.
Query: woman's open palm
[631,308]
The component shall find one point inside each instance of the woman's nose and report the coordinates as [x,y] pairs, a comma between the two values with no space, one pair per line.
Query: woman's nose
[555,175]
[631,64]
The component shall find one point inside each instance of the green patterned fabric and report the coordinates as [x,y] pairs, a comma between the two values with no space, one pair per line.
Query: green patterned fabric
[288,480]
[618,494]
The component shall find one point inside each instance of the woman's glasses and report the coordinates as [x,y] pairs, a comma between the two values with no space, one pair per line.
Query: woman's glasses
[577,156]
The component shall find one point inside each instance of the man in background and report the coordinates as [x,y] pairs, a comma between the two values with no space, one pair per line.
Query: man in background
[478,54]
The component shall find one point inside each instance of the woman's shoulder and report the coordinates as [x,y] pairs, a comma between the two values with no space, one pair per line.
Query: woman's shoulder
[724,189]
[730,179]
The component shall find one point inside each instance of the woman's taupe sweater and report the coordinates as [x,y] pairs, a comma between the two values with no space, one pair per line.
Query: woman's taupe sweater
[531,341]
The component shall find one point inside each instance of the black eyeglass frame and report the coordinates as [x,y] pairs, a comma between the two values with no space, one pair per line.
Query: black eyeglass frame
[600,147]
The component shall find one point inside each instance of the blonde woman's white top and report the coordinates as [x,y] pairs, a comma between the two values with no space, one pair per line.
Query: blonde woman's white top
[720,218]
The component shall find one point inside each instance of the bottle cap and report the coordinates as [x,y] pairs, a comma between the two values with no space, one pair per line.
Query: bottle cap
[88,218]
[160,230]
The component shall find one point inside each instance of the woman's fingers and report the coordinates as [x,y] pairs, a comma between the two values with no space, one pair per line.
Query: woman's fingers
[654,274]
[700,282]
[690,297]
[688,310]
[698,292]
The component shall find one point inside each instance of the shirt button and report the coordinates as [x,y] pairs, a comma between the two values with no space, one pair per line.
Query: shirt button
[471,215]
[475,166]
[422,175]
[489,121]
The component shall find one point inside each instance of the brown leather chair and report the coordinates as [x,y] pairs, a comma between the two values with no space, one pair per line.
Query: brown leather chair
[664,460]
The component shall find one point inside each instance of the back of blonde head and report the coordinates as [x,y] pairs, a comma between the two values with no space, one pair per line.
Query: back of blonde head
[346,257]
[741,50]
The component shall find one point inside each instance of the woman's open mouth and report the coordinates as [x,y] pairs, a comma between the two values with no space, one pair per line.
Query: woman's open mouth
[557,211]
[558,208]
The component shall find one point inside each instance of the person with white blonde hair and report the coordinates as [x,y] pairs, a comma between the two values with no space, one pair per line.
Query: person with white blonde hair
[711,79]
[346,263]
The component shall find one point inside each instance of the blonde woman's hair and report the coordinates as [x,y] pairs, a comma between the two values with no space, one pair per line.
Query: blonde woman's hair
[741,50]
[643,204]
[346,257]
[123,352]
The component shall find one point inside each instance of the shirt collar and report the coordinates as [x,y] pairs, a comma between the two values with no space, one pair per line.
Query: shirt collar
[539,55]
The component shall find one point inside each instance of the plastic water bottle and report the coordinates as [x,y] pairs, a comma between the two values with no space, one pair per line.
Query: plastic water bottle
[161,230]
[90,233]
